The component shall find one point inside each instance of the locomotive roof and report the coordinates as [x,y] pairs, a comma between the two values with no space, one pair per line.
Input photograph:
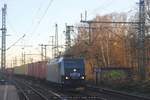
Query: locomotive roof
[57,60]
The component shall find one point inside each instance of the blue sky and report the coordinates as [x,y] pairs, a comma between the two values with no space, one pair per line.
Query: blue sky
[24,15]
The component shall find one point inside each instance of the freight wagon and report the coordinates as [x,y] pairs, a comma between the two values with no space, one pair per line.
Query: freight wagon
[66,72]
[37,69]
[20,70]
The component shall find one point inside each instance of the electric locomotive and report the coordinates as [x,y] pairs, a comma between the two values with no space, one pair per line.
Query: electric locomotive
[68,72]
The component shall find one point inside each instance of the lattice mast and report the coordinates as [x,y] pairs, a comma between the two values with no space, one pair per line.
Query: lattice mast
[3,48]
[141,41]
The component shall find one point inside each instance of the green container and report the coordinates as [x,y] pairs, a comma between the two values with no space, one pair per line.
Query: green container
[20,70]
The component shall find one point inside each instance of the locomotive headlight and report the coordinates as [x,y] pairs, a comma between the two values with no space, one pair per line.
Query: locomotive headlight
[74,70]
[82,77]
[66,78]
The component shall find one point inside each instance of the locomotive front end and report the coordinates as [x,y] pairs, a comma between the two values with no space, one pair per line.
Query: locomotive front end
[74,73]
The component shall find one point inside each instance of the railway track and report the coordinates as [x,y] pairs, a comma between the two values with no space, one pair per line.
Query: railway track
[64,95]
[118,94]
[29,91]
[83,95]
[91,93]
[60,94]
[46,91]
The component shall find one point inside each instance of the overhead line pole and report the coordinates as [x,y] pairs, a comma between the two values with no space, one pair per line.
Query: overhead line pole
[69,29]
[3,51]
[52,45]
[56,40]
[141,41]
[44,51]
[41,52]
[30,54]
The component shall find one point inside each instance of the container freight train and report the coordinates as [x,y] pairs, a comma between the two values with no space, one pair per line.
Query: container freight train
[35,70]
[65,72]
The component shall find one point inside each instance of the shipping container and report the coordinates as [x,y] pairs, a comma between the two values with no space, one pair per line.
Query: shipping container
[20,70]
[37,69]
[30,69]
[41,70]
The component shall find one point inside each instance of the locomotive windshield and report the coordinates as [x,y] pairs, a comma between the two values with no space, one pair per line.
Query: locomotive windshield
[71,66]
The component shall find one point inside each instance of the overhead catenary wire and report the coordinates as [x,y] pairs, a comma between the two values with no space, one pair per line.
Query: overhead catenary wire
[31,32]
[35,15]
[16,42]
[40,20]
[101,7]
[11,25]
[45,12]
[104,7]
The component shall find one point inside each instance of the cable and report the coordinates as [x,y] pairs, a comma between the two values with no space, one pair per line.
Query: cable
[3,2]
[11,26]
[16,42]
[35,15]
[40,20]
[45,12]
[101,7]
